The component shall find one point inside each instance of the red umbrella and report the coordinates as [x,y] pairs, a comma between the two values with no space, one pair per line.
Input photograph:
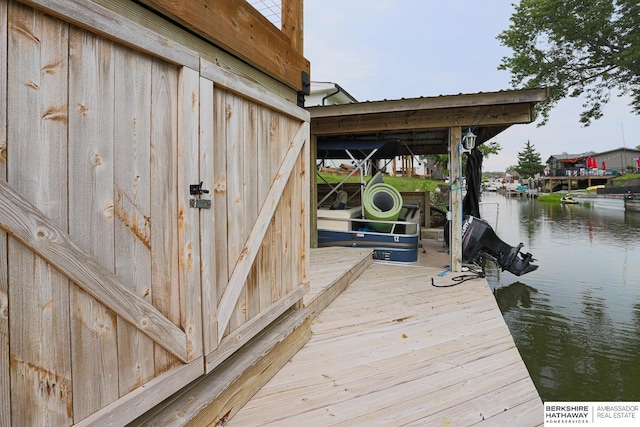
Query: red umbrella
[604,166]
[589,162]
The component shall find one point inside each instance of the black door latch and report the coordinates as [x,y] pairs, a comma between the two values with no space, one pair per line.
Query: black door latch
[196,190]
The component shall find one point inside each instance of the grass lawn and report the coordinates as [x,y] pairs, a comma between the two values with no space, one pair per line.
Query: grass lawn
[400,183]
[627,176]
[550,198]
[619,181]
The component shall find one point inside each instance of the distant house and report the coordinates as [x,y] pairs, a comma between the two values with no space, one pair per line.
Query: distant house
[612,162]
[562,164]
[619,160]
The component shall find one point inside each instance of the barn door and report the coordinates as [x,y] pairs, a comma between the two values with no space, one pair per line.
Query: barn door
[101,249]
[254,155]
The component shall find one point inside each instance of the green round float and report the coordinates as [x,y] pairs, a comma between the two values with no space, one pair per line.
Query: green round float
[381,202]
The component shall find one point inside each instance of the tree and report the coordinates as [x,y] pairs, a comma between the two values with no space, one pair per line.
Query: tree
[489,148]
[529,162]
[442,160]
[439,162]
[576,48]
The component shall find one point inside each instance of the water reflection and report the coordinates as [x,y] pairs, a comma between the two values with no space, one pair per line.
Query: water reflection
[513,296]
[575,320]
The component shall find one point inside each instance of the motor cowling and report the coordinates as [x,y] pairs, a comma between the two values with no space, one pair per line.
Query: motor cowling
[480,241]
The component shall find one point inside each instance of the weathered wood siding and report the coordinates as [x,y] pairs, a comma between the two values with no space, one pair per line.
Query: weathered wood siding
[5,389]
[255,156]
[109,280]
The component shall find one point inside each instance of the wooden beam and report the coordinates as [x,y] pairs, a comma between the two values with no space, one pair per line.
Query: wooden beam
[215,398]
[100,20]
[237,27]
[455,199]
[252,244]
[21,220]
[5,373]
[248,89]
[179,36]
[232,343]
[422,119]
[313,194]
[292,27]
[524,96]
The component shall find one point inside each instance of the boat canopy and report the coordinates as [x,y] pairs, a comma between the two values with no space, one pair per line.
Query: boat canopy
[358,148]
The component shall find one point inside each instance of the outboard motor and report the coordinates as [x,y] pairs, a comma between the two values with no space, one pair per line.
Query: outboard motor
[480,241]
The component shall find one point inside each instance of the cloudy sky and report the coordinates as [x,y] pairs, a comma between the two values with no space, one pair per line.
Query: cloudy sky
[391,49]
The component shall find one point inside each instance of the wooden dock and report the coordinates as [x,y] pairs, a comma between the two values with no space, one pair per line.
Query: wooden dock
[394,350]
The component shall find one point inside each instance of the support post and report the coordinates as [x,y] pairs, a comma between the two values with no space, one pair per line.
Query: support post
[313,191]
[455,198]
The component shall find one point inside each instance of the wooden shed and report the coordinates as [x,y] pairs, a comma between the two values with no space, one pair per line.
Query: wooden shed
[154,197]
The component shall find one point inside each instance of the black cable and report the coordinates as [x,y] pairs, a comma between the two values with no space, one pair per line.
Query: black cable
[476,273]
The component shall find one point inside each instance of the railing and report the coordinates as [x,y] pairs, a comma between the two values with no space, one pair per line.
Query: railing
[270,9]
[571,172]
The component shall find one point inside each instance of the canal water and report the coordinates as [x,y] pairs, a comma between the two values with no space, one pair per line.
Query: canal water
[575,320]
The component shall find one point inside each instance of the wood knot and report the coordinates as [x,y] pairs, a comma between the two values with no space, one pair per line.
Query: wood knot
[83,109]
[55,113]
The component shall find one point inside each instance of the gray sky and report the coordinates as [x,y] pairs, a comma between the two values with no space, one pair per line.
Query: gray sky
[391,49]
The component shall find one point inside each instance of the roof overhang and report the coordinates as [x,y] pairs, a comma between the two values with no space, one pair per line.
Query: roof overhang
[423,123]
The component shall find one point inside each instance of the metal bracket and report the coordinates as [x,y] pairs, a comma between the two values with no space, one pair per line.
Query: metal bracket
[196,190]
[200,203]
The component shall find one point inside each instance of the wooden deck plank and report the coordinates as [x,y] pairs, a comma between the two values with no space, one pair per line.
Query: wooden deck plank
[384,358]
[396,404]
[330,275]
[376,375]
[394,350]
[327,264]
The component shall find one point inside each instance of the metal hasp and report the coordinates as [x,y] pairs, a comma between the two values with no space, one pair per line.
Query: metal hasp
[200,203]
[196,190]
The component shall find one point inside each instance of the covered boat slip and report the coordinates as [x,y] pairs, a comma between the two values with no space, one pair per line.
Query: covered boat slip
[394,350]
[425,125]
[381,220]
